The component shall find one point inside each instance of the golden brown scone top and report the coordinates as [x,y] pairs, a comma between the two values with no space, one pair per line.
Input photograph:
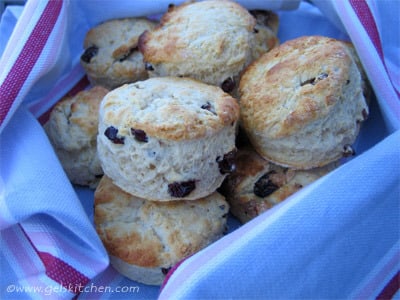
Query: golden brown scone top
[169,107]
[174,33]
[284,81]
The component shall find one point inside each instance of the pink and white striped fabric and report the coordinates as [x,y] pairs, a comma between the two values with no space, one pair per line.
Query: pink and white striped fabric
[338,238]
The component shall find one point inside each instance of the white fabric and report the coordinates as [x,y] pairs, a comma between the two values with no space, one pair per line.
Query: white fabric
[333,239]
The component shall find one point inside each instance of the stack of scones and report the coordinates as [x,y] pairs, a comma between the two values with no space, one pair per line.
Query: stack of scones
[197,115]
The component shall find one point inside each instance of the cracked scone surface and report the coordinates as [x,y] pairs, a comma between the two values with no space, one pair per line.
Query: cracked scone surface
[111,57]
[302,103]
[167,138]
[145,238]
[72,130]
[211,41]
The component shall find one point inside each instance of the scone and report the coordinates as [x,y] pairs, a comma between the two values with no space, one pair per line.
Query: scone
[72,130]
[367,89]
[167,138]
[266,18]
[211,41]
[146,238]
[257,185]
[266,29]
[302,103]
[111,57]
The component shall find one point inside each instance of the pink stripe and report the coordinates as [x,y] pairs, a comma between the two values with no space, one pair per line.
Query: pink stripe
[53,240]
[391,288]
[30,10]
[26,60]
[63,273]
[367,20]
[24,261]
[60,271]
[13,240]
[381,276]
[376,70]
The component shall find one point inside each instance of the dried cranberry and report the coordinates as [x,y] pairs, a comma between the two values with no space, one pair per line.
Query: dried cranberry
[314,80]
[165,270]
[228,85]
[89,54]
[308,81]
[321,77]
[139,135]
[148,66]
[227,163]
[209,107]
[127,54]
[348,150]
[171,6]
[264,186]
[181,189]
[364,114]
[112,134]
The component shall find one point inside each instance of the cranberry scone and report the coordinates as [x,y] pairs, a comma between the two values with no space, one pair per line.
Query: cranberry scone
[72,130]
[111,57]
[257,185]
[144,239]
[302,103]
[167,138]
[211,41]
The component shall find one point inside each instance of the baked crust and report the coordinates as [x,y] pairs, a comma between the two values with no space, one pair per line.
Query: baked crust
[257,185]
[211,41]
[170,108]
[111,57]
[155,235]
[72,130]
[166,138]
[302,102]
